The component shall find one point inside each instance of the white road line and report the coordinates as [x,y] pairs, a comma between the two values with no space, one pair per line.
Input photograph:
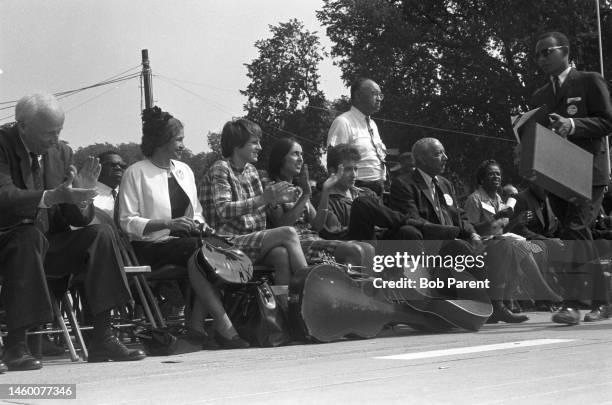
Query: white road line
[474,349]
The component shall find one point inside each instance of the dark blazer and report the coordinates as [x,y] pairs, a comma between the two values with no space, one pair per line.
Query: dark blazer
[539,228]
[410,195]
[585,98]
[18,198]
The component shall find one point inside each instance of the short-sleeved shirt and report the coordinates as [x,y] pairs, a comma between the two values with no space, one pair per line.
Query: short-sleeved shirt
[352,127]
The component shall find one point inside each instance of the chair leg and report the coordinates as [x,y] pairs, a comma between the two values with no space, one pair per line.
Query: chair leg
[143,299]
[60,320]
[75,325]
[149,293]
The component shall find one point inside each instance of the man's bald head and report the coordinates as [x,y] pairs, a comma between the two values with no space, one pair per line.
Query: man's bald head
[40,120]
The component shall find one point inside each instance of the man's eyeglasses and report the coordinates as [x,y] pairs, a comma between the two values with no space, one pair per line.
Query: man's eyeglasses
[547,51]
[378,95]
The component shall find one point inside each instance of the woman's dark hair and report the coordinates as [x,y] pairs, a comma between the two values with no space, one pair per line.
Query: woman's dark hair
[236,134]
[158,128]
[340,153]
[277,156]
[481,172]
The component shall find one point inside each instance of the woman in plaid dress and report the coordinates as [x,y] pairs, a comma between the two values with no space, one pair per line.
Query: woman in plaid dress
[286,165]
[235,201]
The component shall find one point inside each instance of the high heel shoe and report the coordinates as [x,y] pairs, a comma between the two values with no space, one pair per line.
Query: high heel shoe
[236,342]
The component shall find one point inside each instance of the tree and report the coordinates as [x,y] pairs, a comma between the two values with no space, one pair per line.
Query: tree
[130,152]
[461,65]
[283,95]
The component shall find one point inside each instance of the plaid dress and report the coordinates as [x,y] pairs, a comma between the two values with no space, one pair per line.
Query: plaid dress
[228,200]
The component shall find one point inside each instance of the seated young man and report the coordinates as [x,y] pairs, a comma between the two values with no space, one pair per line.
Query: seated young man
[353,213]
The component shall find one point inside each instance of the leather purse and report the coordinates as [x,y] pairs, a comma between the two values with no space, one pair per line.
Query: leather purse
[256,314]
[220,261]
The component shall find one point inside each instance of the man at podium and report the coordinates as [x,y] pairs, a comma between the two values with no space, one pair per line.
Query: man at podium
[580,111]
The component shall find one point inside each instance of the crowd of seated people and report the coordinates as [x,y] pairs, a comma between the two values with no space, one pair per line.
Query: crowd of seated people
[47,210]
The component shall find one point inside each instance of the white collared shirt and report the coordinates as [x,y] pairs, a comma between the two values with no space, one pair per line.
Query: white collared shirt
[104,200]
[351,127]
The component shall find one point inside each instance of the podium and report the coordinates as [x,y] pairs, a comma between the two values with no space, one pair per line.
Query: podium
[556,164]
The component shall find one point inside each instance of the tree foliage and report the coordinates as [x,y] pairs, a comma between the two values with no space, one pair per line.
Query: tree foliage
[461,65]
[283,95]
[130,152]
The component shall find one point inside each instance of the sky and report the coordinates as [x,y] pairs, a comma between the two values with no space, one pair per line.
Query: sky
[197,48]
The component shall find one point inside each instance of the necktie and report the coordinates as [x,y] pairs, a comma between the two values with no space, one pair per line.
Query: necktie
[436,198]
[115,207]
[556,84]
[42,216]
[377,149]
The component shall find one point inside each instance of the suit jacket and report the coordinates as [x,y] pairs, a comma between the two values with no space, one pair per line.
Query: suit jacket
[410,195]
[540,228]
[585,98]
[19,199]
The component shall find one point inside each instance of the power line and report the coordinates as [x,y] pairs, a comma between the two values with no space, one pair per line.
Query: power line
[97,96]
[195,83]
[69,93]
[214,104]
[103,82]
[423,126]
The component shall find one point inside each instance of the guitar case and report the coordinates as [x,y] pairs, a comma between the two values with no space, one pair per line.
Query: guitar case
[326,304]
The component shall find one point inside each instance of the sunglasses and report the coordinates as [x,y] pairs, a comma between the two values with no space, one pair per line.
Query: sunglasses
[547,51]
[118,165]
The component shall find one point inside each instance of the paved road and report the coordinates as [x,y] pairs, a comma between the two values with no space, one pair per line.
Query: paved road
[533,363]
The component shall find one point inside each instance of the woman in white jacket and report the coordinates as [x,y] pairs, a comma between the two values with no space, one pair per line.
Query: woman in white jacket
[159,209]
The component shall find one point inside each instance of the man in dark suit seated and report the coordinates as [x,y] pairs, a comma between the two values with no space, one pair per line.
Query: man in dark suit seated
[581,112]
[431,203]
[41,196]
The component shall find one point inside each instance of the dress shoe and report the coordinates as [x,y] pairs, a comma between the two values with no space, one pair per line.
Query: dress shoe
[207,341]
[41,345]
[3,367]
[235,342]
[597,314]
[502,314]
[111,349]
[18,358]
[567,316]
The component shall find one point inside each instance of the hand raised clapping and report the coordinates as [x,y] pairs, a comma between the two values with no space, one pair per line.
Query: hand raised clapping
[333,179]
[279,193]
[304,180]
[87,177]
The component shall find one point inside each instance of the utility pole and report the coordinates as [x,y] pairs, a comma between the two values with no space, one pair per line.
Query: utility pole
[147,79]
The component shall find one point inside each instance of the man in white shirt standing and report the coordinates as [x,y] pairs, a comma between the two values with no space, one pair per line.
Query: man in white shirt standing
[355,127]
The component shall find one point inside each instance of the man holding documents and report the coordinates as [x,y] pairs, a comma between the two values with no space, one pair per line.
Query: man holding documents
[580,111]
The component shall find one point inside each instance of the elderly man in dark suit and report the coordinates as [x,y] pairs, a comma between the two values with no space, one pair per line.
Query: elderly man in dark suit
[581,111]
[431,203]
[41,196]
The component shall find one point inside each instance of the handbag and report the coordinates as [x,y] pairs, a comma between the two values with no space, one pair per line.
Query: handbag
[256,315]
[220,261]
